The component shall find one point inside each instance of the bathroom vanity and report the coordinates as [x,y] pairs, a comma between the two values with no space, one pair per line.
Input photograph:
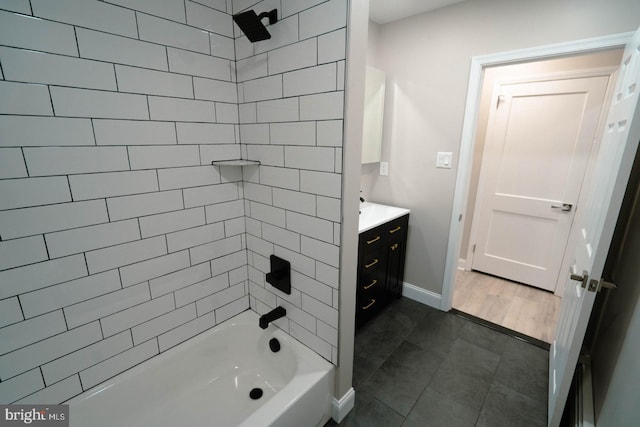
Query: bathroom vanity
[381,253]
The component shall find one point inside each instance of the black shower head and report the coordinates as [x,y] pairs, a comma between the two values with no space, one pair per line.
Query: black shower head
[251,24]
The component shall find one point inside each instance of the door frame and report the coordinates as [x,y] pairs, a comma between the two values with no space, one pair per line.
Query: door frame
[474,91]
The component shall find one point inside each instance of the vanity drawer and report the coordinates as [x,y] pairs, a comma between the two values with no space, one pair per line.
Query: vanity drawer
[371,266]
[372,262]
[384,233]
[372,238]
[397,227]
[370,284]
[367,307]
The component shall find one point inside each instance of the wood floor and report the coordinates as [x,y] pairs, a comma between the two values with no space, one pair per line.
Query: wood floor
[525,309]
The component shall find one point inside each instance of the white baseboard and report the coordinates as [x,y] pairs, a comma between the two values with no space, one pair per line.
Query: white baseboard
[464,264]
[340,408]
[421,295]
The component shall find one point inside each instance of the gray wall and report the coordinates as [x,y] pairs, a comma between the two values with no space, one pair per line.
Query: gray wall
[427,60]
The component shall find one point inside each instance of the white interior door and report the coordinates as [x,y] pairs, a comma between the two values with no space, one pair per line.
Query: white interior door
[593,229]
[539,138]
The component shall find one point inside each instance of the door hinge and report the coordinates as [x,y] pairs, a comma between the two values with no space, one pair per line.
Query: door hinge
[473,249]
[596,285]
[500,100]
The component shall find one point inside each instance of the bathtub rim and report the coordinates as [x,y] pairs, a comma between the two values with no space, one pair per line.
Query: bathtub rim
[313,367]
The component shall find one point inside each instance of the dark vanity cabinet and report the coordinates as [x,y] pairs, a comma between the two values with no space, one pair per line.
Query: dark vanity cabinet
[381,254]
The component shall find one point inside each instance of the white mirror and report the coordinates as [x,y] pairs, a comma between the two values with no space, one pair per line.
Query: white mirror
[373,115]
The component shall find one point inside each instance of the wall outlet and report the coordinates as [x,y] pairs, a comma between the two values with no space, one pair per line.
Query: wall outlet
[384,168]
[444,160]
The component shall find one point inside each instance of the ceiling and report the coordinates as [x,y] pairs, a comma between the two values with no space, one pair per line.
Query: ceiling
[385,11]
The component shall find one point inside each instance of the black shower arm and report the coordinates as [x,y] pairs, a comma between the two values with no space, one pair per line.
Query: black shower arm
[272,15]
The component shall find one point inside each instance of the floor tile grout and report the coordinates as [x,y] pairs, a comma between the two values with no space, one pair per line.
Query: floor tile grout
[399,324]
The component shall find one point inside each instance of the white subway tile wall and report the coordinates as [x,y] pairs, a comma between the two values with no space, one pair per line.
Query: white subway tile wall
[118,239]
[105,248]
[291,114]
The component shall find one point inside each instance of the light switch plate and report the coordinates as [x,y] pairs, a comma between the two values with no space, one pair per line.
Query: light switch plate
[444,160]
[384,168]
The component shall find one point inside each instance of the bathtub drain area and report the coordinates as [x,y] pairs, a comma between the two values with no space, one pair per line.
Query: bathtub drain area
[255,393]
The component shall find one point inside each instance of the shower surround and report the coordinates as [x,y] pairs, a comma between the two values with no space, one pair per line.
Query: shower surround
[118,239]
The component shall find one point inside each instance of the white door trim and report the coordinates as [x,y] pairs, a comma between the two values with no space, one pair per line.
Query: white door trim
[474,90]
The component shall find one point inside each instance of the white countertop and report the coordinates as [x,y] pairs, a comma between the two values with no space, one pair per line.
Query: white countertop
[373,215]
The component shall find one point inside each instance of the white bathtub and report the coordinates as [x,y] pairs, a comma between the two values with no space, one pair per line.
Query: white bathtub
[206,381]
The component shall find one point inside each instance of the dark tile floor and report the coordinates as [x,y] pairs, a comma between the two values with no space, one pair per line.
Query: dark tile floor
[417,366]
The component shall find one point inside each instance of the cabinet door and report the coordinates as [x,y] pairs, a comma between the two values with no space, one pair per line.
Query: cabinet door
[395,268]
[396,249]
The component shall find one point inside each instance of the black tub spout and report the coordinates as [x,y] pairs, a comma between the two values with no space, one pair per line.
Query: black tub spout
[269,317]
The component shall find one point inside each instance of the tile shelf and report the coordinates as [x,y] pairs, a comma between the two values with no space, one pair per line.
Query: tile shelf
[236,162]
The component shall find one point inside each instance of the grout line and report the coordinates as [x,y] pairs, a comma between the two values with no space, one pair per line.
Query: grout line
[185,22]
[115,77]
[24,160]
[46,247]
[53,109]
[93,130]
[175,128]
[44,383]
[69,185]
[86,263]
[75,34]
[135,15]
[148,107]
[119,277]
[129,158]
[64,316]
[21,309]
[106,205]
